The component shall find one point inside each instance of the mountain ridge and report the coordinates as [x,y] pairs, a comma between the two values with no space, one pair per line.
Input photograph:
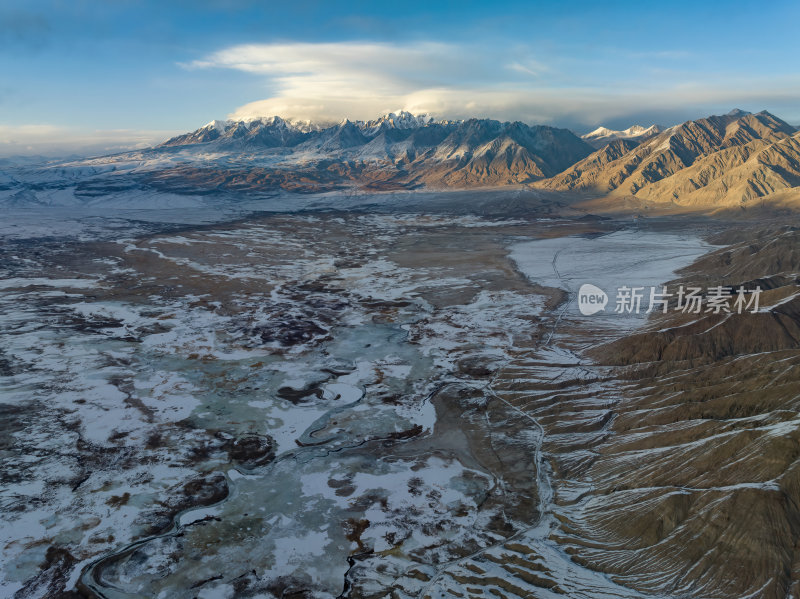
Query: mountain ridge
[603,136]
[237,128]
[734,161]
[719,161]
[413,150]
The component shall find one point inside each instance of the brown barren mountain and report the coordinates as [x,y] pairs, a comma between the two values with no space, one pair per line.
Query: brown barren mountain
[690,484]
[720,162]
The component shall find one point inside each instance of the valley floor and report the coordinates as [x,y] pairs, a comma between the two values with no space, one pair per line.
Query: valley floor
[382,402]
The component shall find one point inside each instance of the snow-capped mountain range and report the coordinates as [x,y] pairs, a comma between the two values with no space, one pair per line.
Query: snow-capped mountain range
[396,149]
[603,136]
[277,131]
[728,159]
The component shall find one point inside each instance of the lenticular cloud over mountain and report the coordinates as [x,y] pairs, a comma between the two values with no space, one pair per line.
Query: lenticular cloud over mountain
[330,81]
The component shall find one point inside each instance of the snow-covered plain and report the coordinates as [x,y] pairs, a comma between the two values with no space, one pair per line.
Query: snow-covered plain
[291,402]
[627,258]
[153,388]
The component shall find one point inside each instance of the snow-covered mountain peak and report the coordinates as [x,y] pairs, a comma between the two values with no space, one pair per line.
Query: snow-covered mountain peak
[267,121]
[406,120]
[599,132]
[401,119]
[396,120]
[603,135]
[218,126]
[307,125]
[635,130]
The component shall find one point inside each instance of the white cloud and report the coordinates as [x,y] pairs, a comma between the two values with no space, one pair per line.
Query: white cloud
[330,81]
[361,80]
[51,140]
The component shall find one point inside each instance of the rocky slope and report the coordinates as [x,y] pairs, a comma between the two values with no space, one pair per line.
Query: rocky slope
[717,162]
[684,482]
[671,452]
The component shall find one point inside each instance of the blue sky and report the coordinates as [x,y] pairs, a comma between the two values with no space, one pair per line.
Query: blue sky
[86,72]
